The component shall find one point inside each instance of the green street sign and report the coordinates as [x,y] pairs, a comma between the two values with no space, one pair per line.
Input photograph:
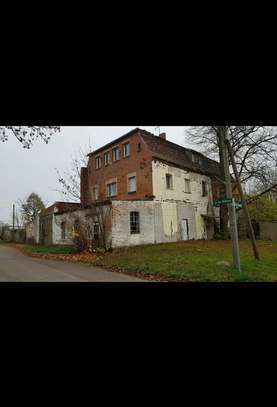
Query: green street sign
[222,201]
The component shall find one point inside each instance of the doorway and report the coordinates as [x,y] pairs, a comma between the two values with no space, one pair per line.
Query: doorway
[185,229]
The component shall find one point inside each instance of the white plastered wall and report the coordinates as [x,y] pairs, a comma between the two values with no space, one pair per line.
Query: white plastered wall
[195,201]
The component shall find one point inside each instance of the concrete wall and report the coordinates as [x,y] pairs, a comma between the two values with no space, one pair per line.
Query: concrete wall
[268,230]
[68,218]
[168,221]
[121,235]
[16,235]
[195,201]
[160,222]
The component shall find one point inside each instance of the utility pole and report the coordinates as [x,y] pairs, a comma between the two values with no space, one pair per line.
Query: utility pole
[243,201]
[229,194]
[13,215]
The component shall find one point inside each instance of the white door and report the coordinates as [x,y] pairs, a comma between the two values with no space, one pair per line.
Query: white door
[185,229]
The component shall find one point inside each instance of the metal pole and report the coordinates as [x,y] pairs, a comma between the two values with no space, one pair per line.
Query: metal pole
[13,215]
[231,206]
[244,204]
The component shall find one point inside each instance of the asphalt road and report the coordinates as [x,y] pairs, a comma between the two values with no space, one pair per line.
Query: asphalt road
[15,266]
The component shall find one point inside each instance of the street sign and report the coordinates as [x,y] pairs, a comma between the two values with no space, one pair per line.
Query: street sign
[222,201]
[238,205]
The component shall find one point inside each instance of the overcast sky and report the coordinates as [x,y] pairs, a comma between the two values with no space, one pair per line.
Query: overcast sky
[24,171]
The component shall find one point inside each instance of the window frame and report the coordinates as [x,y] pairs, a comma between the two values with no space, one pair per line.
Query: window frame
[119,154]
[129,177]
[63,230]
[127,143]
[96,224]
[188,183]
[98,160]
[95,188]
[134,223]
[107,154]
[170,177]
[204,188]
[108,185]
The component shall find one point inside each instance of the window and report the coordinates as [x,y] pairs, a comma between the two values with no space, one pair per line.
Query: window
[196,159]
[116,154]
[169,181]
[96,231]
[76,226]
[139,147]
[134,222]
[187,186]
[204,188]
[111,189]
[132,184]
[95,192]
[63,225]
[126,149]
[98,162]
[107,158]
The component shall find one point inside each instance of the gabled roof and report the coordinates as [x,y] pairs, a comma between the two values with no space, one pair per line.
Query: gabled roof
[182,157]
[170,152]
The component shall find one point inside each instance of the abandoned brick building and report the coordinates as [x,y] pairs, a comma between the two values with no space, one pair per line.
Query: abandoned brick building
[157,191]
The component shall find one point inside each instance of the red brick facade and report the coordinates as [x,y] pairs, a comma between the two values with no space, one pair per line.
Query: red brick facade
[138,163]
[144,147]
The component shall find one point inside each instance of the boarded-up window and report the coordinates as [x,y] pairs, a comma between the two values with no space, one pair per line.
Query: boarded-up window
[63,227]
[95,192]
[134,222]
[132,184]
[187,186]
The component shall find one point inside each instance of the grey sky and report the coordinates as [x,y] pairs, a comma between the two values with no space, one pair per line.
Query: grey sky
[25,171]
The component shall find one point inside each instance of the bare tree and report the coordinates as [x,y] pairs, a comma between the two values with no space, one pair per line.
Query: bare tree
[267,183]
[26,135]
[69,180]
[254,147]
[91,227]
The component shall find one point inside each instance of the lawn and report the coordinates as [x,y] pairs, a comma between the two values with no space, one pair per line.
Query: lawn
[184,261]
[195,261]
[62,249]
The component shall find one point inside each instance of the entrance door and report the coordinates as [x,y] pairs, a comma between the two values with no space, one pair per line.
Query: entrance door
[185,229]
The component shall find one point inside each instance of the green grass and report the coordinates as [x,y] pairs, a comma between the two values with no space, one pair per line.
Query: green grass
[51,249]
[196,261]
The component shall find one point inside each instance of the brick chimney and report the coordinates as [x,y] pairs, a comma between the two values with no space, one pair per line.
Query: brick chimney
[163,136]
[84,186]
